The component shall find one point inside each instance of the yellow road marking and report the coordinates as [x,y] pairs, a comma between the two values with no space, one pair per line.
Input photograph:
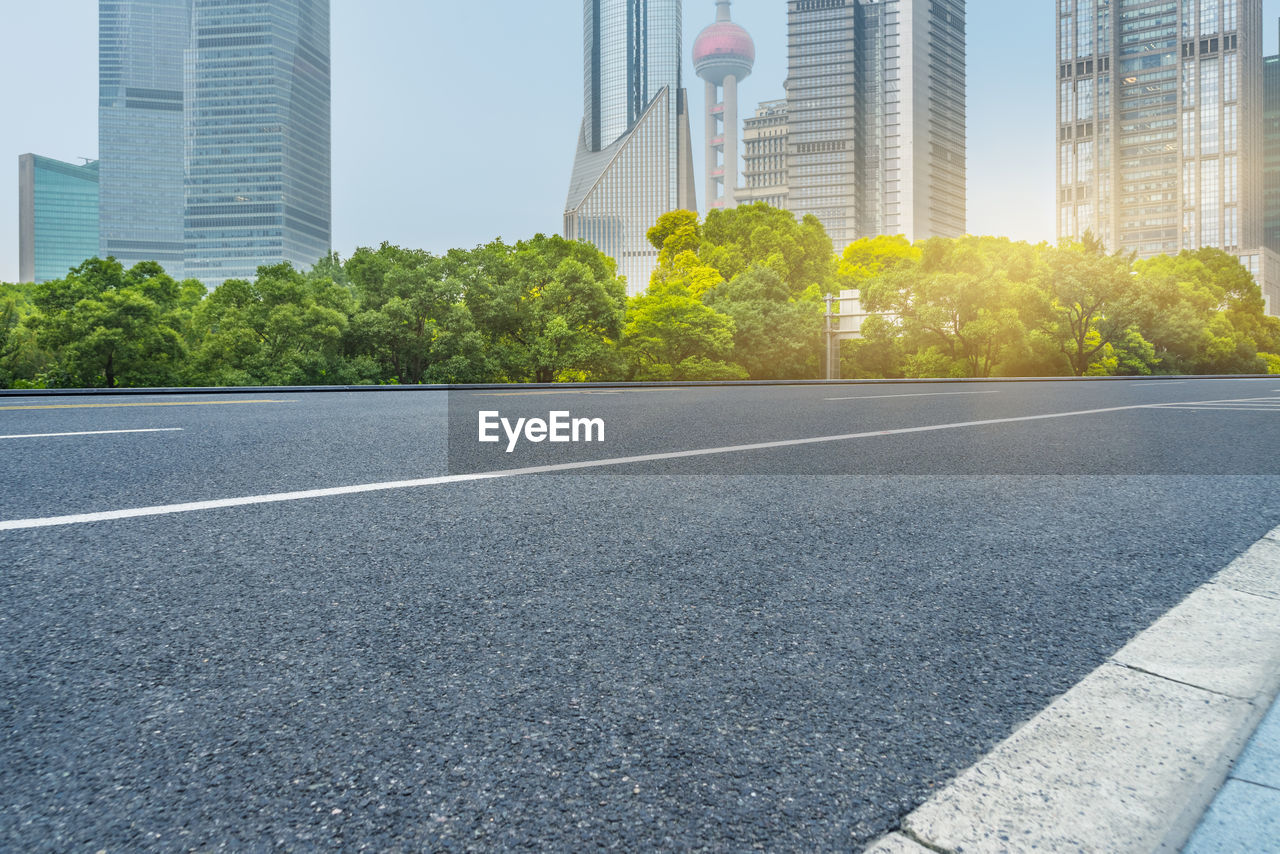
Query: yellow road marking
[121,405]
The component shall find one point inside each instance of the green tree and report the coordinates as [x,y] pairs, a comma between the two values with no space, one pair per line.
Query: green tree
[675,232]
[105,326]
[284,328]
[1092,301]
[871,257]
[1203,313]
[21,360]
[760,235]
[412,324]
[548,307]
[775,335]
[671,335]
[958,311]
[877,354]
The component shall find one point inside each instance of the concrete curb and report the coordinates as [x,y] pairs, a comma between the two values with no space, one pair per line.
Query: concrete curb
[1129,759]
[330,389]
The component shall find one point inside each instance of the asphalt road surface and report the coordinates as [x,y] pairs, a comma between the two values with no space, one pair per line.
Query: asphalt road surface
[785,648]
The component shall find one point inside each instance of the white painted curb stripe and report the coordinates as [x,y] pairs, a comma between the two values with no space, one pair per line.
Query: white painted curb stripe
[92,433]
[194,506]
[1128,759]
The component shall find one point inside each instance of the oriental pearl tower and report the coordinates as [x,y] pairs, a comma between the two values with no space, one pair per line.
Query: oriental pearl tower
[723,56]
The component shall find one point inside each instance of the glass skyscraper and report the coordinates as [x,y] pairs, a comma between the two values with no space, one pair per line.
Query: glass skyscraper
[140,54]
[1159,128]
[877,116]
[635,157]
[57,216]
[258,182]
[1271,153]
[214,134]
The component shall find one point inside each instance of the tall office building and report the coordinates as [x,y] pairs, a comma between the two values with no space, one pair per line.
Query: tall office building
[1159,127]
[764,156]
[214,134]
[876,103]
[635,157]
[57,216]
[723,55]
[258,184]
[140,52]
[1271,153]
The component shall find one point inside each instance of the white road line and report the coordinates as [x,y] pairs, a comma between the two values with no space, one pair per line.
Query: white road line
[923,394]
[92,433]
[441,480]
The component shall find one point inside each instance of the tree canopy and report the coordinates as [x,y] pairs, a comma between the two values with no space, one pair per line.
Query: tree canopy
[737,295]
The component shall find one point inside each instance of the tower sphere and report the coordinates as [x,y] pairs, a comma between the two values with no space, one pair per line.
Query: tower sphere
[722,50]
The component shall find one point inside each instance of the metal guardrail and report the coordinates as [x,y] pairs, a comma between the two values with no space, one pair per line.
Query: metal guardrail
[331,389]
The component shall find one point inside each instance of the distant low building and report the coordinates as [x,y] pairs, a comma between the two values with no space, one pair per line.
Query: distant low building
[57,216]
[1264,264]
[764,147]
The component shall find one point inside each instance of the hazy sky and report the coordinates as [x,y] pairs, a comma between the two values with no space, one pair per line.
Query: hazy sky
[455,123]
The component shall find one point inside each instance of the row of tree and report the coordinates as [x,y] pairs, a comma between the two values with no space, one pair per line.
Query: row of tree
[737,296]
[982,306]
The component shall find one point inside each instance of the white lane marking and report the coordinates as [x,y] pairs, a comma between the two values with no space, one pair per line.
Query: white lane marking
[1248,404]
[922,394]
[440,480]
[92,433]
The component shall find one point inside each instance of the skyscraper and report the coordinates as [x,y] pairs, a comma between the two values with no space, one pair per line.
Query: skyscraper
[57,216]
[723,55]
[635,158]
[1159,127]
[258,184]
[1271,153]
[140,51]
[876,104]
[214,134]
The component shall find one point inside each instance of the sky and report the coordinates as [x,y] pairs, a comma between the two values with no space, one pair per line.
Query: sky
[455,123]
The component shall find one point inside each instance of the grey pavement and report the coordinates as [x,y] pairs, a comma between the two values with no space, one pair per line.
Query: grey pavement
[788,649]
[1245,816]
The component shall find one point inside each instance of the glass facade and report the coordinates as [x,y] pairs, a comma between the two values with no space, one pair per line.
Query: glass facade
[257,129]
[214,134]
[876,97]
[1271,156]
[1159,123]
[635,159]
[140,85]
[57,216]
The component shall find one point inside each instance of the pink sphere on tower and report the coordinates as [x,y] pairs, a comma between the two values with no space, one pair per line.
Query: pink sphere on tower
[723,55]
[723,49]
